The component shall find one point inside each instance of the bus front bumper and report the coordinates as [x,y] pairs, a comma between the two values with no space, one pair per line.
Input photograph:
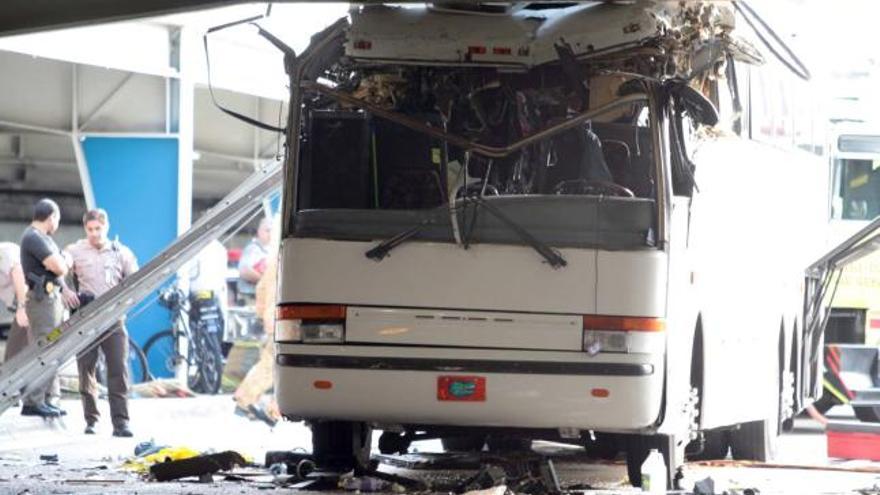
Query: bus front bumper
[522,389]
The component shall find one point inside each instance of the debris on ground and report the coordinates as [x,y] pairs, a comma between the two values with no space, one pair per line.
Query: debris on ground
[365,484]
[161,388]
[202,466]
[142,463]
[704,487]
[496,490]
[49,458]
[94,481]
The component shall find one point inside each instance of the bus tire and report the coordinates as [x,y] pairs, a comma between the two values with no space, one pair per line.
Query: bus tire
[716,444]
[754,441]
[463,444]
[637,449]
[757,440]
[605,447]
[341,444]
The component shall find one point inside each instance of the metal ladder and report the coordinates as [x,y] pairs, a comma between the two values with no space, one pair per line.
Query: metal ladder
[821,282]
[36,363]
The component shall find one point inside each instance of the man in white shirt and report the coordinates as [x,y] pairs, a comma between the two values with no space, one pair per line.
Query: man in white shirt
[13,289]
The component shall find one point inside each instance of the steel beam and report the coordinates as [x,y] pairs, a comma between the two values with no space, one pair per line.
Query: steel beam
[107,99]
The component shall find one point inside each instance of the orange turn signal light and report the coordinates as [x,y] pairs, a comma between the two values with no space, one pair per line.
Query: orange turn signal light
[310,312]
[323,384]
[624,323]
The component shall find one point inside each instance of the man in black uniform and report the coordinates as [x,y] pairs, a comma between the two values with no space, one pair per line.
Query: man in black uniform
[44,269]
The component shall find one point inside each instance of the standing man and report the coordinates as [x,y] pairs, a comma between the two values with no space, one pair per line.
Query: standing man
[100,264]
[44,270]
[13,291]
[253,262]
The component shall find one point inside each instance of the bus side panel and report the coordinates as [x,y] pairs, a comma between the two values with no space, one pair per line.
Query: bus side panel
[751,244]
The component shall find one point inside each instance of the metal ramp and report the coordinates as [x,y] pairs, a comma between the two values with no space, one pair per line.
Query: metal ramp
[821,282]
[36,363]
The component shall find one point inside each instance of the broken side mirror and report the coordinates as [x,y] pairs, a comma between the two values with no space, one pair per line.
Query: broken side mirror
[697,106]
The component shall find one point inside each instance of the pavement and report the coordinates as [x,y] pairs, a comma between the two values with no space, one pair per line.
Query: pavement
[91,464]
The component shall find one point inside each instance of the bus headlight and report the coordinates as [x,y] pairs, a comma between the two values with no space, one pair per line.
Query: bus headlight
[323,333]
[596,341]
[310,323]
[618,333]
[288,330]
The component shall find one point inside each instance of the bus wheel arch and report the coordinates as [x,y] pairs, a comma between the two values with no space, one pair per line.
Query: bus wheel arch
[710,444]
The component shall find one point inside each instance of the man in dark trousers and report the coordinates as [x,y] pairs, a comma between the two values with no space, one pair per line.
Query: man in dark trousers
[100,264]
[44,269]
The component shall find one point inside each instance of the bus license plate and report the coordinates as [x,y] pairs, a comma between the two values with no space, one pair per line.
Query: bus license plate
[461,388]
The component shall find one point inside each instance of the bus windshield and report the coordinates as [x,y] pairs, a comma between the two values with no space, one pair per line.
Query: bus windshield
[403,147]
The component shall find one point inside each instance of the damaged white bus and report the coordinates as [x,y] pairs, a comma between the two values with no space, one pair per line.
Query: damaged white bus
[540,222]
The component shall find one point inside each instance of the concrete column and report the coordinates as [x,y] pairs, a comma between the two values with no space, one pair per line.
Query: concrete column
[184,49]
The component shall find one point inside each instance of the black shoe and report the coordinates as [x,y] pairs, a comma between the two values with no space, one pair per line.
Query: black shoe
[61,412]
[90,429]
[39,410]
[122,431]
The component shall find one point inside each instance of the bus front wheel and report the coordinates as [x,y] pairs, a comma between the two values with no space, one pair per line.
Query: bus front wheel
[341,444]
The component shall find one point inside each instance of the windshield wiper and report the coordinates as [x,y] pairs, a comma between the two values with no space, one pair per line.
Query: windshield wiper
[381,251]
[551,255]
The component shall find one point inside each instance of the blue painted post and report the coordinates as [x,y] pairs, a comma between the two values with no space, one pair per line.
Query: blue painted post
[136,180]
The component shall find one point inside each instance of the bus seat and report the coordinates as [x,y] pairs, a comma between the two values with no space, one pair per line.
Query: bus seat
[578,156]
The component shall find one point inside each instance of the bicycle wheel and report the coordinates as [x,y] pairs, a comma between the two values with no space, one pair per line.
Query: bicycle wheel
[139,370]
[161,355]
[209,360]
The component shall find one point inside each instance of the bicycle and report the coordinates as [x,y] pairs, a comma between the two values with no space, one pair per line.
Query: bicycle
[193,339]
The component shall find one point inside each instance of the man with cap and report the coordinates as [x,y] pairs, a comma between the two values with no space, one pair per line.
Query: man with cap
[100,264]
[44,269]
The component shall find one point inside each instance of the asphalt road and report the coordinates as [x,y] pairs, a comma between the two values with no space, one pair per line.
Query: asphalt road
[93,463]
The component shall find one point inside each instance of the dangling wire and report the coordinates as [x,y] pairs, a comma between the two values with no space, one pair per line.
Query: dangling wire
[233,113]
[793,64]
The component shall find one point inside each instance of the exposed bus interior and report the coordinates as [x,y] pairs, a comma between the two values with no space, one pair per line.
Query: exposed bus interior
[556,140]
[364,177]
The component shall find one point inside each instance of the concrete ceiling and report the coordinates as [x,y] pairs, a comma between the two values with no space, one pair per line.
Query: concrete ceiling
[40,105]
[26,16]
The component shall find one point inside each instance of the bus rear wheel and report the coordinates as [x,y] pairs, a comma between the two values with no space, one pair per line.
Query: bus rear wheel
[757,440]
[754,441]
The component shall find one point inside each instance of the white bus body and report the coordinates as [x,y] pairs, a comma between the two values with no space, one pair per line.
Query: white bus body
[675,314]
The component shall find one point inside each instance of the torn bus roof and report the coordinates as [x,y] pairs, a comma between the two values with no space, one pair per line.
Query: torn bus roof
[525,38]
